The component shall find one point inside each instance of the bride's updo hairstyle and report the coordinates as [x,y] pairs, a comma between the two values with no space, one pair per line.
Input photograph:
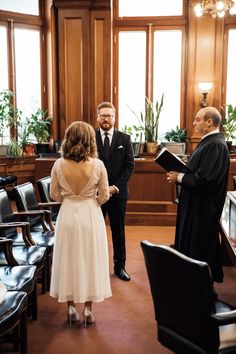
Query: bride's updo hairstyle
[79,142]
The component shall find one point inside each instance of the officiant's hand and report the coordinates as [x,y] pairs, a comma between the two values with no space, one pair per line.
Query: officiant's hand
[172,176]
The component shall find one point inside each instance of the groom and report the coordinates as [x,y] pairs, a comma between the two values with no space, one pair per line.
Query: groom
[115,150]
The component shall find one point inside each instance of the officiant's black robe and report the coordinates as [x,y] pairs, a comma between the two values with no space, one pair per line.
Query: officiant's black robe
[201,201]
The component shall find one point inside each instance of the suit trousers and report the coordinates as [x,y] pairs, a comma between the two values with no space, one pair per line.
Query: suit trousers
[116,208]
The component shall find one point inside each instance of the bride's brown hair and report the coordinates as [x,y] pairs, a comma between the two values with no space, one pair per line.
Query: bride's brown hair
[79,142]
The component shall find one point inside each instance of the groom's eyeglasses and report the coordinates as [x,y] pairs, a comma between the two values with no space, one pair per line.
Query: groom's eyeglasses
[106,116]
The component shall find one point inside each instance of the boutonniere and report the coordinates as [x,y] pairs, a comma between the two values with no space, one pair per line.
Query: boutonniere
[120,147]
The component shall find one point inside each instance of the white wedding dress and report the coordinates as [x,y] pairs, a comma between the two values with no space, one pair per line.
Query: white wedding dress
[80,269]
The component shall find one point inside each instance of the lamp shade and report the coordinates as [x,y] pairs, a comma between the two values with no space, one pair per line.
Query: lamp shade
[205,86]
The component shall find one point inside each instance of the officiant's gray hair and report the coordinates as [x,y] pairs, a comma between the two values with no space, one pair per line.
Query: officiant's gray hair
[213,114]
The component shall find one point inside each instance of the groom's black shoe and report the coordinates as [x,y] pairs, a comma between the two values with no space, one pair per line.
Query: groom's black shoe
[122,274]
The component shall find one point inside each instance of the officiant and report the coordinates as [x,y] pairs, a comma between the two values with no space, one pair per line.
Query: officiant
[203,191]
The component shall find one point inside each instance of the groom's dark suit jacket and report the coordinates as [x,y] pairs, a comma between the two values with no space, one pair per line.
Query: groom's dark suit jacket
[120,162]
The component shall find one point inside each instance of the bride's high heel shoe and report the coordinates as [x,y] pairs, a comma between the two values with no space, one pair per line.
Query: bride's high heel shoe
[88,316]
[72,314]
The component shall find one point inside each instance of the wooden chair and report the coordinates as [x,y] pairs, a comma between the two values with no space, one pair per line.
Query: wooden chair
[19,277]
[7,180]
[13,320]
[30,210]
[24,249]
[26,201]
[190,320]
[43,185]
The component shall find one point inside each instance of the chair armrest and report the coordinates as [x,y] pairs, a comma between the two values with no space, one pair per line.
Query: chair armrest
[48,217]
[25,227]
[224,318]
[7,225]
[48,204]
[28,213]
[41,213]
[6,246]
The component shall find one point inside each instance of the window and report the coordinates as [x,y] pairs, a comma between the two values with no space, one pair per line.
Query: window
[145,65]
[3,59]
[167,77]
[20,56]
[231,69]
[134,8]
[132,60]
[28,75]
[30,7]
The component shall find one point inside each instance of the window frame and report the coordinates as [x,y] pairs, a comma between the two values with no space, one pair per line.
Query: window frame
[19,20]
[147,19]
[143,24]
[230,24]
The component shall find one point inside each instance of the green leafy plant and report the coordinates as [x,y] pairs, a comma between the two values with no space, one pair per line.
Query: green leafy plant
[138,132]
[14,149]
[38,125]
[128,130]
[135,132]
[24,137]
[151,118]
[177,135]
[228,122]
[10,116]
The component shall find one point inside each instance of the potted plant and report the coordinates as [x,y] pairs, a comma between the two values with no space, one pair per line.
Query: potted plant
[38,125]
[176,140]
[127,130]
[136,137]
[228,124]
[14,149]
[26,143]
[151,123]
[137,132]
[9,116]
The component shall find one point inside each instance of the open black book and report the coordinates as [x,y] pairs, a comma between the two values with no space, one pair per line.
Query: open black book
[170,162]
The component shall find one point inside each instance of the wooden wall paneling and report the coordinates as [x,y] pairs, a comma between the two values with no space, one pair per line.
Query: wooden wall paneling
[150,183]
[23,168]
[151,199]
[55,76]
[100,61]
[73,66]
[48,59]
[183,80]
[43,167]
[205,53]
[217,99]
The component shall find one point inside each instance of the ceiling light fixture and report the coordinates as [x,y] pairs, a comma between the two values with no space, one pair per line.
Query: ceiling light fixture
[214,7]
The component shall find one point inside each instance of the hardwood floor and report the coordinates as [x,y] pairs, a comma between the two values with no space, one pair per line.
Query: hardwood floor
[125,323]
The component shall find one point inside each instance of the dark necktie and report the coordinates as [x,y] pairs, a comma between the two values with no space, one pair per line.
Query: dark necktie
[106,145]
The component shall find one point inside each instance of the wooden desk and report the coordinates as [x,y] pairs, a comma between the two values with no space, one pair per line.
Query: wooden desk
[23,168]
[151,198]
[43,167]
